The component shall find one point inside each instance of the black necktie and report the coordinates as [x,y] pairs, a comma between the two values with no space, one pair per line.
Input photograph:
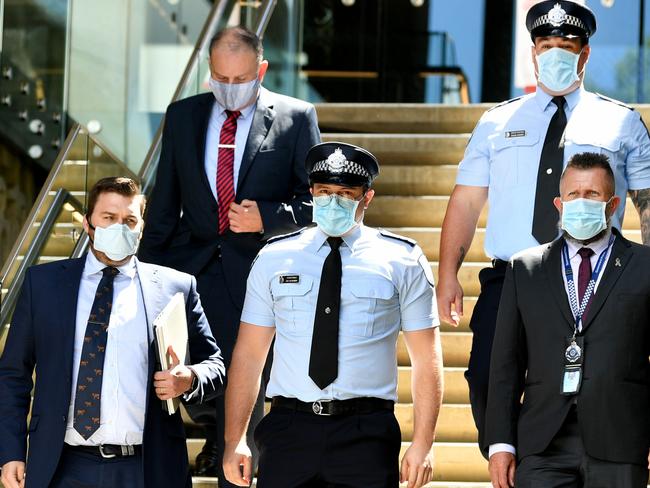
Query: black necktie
[87,401]
[324,357]
[548,176]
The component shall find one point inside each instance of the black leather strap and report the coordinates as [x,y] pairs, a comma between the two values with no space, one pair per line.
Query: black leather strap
[362,405]
[107,450]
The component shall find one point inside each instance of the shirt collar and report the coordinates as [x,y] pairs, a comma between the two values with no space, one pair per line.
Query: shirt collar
[95,266]
[245,113]
[597,246]
[572,99]
[349,239]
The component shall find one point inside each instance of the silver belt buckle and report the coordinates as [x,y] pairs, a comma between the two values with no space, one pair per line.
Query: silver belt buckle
[104,455]
[317,408]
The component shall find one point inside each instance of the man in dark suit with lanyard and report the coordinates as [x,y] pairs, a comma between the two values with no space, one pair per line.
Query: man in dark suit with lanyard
[573,337]
[231,175]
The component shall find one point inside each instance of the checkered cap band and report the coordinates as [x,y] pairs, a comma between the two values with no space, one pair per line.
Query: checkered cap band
[568,19]
[349,167]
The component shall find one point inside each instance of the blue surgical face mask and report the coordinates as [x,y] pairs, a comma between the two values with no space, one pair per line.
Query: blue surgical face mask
[234,96]
[583,218]
[335,214]
[558,69]
[117,241]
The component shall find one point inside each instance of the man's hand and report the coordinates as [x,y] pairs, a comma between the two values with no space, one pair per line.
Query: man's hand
[173,382]
[450,292]
[648,460]
[13,474]
[502,470]
[238,463]
[245,217]
[417,466]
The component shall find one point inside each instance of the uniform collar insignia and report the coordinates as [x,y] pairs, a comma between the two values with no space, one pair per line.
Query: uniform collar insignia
[557,15]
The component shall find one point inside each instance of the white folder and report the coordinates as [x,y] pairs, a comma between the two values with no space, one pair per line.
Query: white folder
[170,328]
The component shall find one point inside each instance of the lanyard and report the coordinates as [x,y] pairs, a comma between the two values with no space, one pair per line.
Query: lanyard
[579,310]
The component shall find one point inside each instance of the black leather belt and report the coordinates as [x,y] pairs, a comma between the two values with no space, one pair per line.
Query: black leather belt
[352,406]
[107,451]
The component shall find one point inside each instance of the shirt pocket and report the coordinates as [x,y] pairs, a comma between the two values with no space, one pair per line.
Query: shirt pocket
[293,305]
[600,143]
[364,308]
[514,160]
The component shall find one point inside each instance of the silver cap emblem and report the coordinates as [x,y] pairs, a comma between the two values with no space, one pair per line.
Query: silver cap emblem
[336,161]
[557,15]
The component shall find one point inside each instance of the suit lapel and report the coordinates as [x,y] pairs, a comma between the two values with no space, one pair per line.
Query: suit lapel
[552,263]
[262,120]
[201,122]
[618,259]
[67,290]
[151,287]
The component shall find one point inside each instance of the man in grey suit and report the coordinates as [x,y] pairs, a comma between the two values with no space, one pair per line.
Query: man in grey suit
[231,175]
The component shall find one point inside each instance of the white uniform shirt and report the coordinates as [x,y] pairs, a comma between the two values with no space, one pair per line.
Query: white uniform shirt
[386,285]
[124,379]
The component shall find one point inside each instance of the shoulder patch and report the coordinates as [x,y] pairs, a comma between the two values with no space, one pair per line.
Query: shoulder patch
[397,237]
[613,100]
[284,236]
[505,103]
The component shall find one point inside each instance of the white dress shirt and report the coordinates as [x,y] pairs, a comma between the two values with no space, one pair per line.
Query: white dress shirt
[124,380]
[573,247]
[217,118]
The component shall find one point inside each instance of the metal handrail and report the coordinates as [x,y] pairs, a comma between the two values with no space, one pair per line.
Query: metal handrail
[61,197]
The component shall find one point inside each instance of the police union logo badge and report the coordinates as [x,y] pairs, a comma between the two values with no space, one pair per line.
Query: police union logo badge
[336,161]
[557,15]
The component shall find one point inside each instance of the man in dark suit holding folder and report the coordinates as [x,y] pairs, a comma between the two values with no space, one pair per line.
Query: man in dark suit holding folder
[85,325]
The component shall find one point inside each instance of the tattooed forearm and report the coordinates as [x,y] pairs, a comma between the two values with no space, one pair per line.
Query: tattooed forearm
[641,200]
[461,257]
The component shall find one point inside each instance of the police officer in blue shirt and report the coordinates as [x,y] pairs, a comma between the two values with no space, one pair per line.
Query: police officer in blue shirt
[514,160]
[335,296]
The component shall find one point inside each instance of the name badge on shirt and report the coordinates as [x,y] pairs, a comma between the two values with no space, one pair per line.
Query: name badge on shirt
[573,358]
[286,279]
[515,133]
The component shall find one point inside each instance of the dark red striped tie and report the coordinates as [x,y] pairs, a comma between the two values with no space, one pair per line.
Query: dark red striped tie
[225,160]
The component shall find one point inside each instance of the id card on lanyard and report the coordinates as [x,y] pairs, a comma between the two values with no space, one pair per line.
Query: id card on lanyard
[575,348]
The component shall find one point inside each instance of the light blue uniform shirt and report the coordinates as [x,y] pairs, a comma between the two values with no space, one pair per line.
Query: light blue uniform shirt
[504,152]
[386,286]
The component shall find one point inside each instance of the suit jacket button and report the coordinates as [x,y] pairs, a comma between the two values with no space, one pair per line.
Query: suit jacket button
[64,419]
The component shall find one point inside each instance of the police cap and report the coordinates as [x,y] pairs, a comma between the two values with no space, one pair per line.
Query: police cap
[560,18]
[341,164]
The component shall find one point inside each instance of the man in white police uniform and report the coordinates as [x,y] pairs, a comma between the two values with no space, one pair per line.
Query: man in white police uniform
[515,158]
[335,297]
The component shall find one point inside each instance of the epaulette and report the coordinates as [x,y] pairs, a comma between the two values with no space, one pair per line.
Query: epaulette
[613,100]
[397,237]
[284,236]
[504,103]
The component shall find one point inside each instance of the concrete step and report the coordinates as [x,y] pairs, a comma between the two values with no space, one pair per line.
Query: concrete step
[457,461]
[409,117]
[429,211]
[408,149]
[455,423]
[198,482]
[416,180]
[456,391]
[428,238]
[414,118]
[456,346]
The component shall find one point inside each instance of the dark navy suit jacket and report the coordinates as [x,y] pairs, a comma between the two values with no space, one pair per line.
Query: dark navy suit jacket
[41,337]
